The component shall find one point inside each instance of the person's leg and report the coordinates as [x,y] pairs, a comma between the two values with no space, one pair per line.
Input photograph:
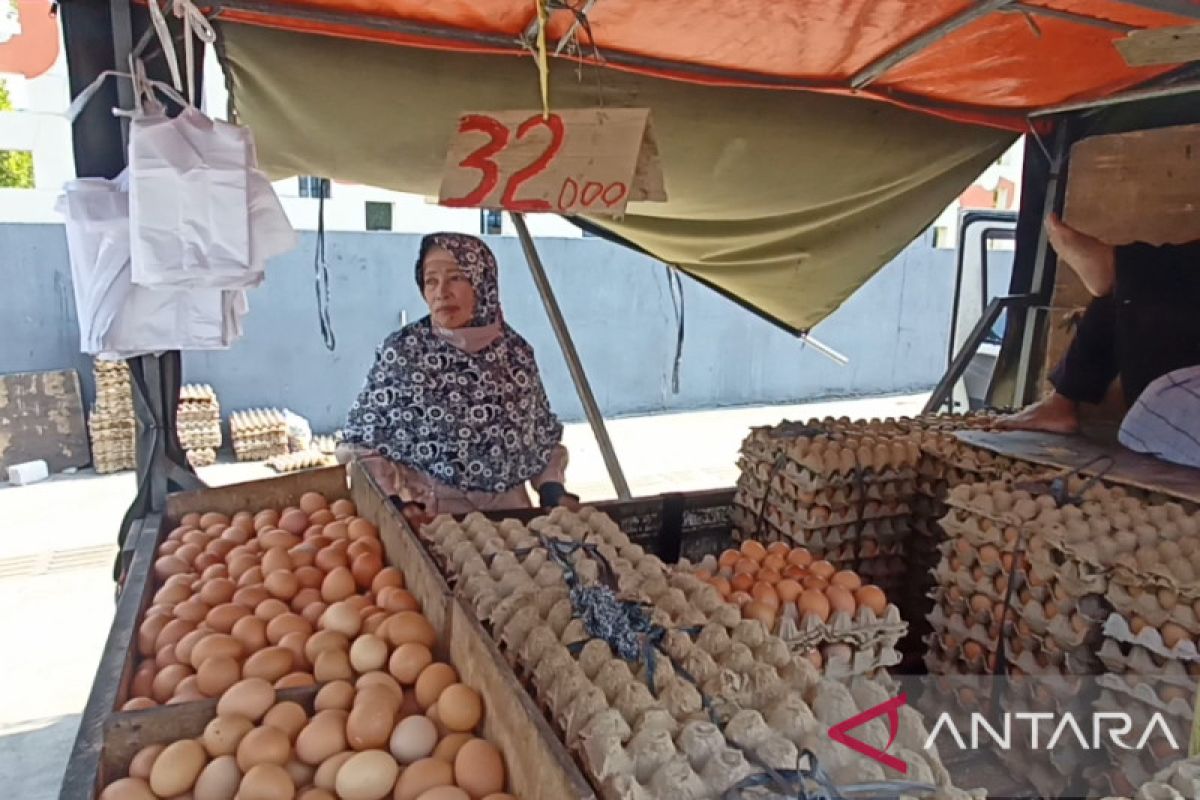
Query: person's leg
[1082,376]
[1091,259]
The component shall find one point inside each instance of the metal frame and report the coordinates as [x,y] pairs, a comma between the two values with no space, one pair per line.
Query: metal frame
[594,416]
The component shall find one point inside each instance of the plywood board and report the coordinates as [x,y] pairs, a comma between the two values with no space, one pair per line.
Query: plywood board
[1073,452]
[41,417]
[1159,46]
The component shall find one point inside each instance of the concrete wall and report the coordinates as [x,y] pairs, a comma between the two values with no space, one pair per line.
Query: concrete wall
[617,303]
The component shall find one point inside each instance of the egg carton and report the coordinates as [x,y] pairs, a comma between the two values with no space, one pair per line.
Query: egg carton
[862,661]
[1179,706]
[861,628]
[197,393]
[762,479]
[1117,627]
[1155,579]
[1075,577]
[1122,658]
[201,456]
[1148,607]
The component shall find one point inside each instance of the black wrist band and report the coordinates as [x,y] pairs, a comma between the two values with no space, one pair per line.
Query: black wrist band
[550,493]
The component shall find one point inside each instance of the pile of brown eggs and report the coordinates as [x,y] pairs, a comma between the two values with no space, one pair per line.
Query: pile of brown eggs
[718,708]
[282,599]
[828,615]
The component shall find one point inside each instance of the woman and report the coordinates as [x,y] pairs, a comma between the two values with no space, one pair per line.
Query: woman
[453,415]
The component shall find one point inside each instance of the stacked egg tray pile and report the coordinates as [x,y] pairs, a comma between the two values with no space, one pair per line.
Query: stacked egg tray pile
[845,627]
[198,420]
[327,444]
[112,425]
[1103,590]
[843,495]
[297,462]
[725,700]
[259,434]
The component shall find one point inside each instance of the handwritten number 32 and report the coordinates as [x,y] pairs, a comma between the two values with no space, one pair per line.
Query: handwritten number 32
[481,159]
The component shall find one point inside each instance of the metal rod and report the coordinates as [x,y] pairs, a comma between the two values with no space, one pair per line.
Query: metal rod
[578,377]
[566,37]
[1068,16]
[825,350]
[941,392]
[1149,93]
[1037,282]
[923,40]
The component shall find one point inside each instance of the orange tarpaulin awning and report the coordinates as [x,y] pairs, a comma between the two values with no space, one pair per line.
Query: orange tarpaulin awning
[991,61]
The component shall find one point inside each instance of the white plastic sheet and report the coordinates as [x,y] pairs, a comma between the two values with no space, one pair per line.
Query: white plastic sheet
[118,318]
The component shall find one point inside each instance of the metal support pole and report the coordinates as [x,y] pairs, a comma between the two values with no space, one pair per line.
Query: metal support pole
[584,389]
[1036,314]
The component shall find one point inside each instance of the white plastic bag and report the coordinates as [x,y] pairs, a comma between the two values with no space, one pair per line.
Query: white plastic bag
[189,201]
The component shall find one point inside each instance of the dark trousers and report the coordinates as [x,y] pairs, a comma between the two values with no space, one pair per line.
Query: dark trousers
[1148,326]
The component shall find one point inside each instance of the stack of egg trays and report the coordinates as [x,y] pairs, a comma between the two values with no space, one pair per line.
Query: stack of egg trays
[641,744]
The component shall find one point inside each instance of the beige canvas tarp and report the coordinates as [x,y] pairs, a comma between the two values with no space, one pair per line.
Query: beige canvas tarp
[786,201]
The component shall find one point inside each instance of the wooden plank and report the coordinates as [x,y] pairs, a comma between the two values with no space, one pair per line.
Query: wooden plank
[112,675]
[538,764]
[254,495]
[1072,452]
[41,417]
[403,551]
[1158,46]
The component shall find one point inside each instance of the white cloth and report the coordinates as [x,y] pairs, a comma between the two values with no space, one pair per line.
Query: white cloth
[1165,420]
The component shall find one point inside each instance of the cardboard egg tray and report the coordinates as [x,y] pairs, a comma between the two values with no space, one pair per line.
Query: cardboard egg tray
[1148,608]
[1128,686]
[861,629]
[201,456]
[295,462]
[1117,627]
[1121,658]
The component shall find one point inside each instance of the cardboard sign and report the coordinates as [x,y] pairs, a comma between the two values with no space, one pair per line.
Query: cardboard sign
[576,161]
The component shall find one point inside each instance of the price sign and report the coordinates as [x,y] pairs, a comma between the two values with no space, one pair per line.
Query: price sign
[586,161]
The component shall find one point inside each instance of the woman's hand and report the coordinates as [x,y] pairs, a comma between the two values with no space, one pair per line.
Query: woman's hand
[569,502]
[553,493]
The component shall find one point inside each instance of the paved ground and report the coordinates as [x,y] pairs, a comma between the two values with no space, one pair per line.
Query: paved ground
[57,541]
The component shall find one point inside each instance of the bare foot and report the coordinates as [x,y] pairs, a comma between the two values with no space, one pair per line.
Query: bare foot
[1092,260]
[1052,414]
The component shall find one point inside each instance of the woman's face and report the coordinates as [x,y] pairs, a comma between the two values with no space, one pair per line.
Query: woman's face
[447,290]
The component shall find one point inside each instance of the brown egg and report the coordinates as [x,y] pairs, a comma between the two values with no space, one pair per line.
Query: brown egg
[284,624]
[288,716]
[846,580]
[313,612]
[326,774]
[410,626]
[408,661]
[303,555]
[321,517]
[267,782]
[305,597]
[873,598]
[224,733]
[1173,634]
[250,698]
[165,656]
[264,745]
[266,518]
[323,736]
[172,593]
[341,617]
[212,518]
[370,775]
[325,640]
[460,708]
[343,508]
[142,684]
[761,612]
[222,618]
[282,584]
[143,761]
[270,664]
[388,576]
[167,680]
[169,565]
[295,642]
[449,746]
[295,522]
[479,768]
[364,568]
[240,564]
[332,665]
[251,632]
[278,537]
[765,594]
[370,722]
[813,601]
[444,793]
[251,596]
[840,600]
[422,776]
[814,582]
[338,585]
[295,680]
[216,592]
[360,547]
[788,590]
[822,569]
[138,704]
[432,681]
[177,767]
[362,529]
[337,531]
[219,780]
[172,632]
[217,674]
[128,789]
